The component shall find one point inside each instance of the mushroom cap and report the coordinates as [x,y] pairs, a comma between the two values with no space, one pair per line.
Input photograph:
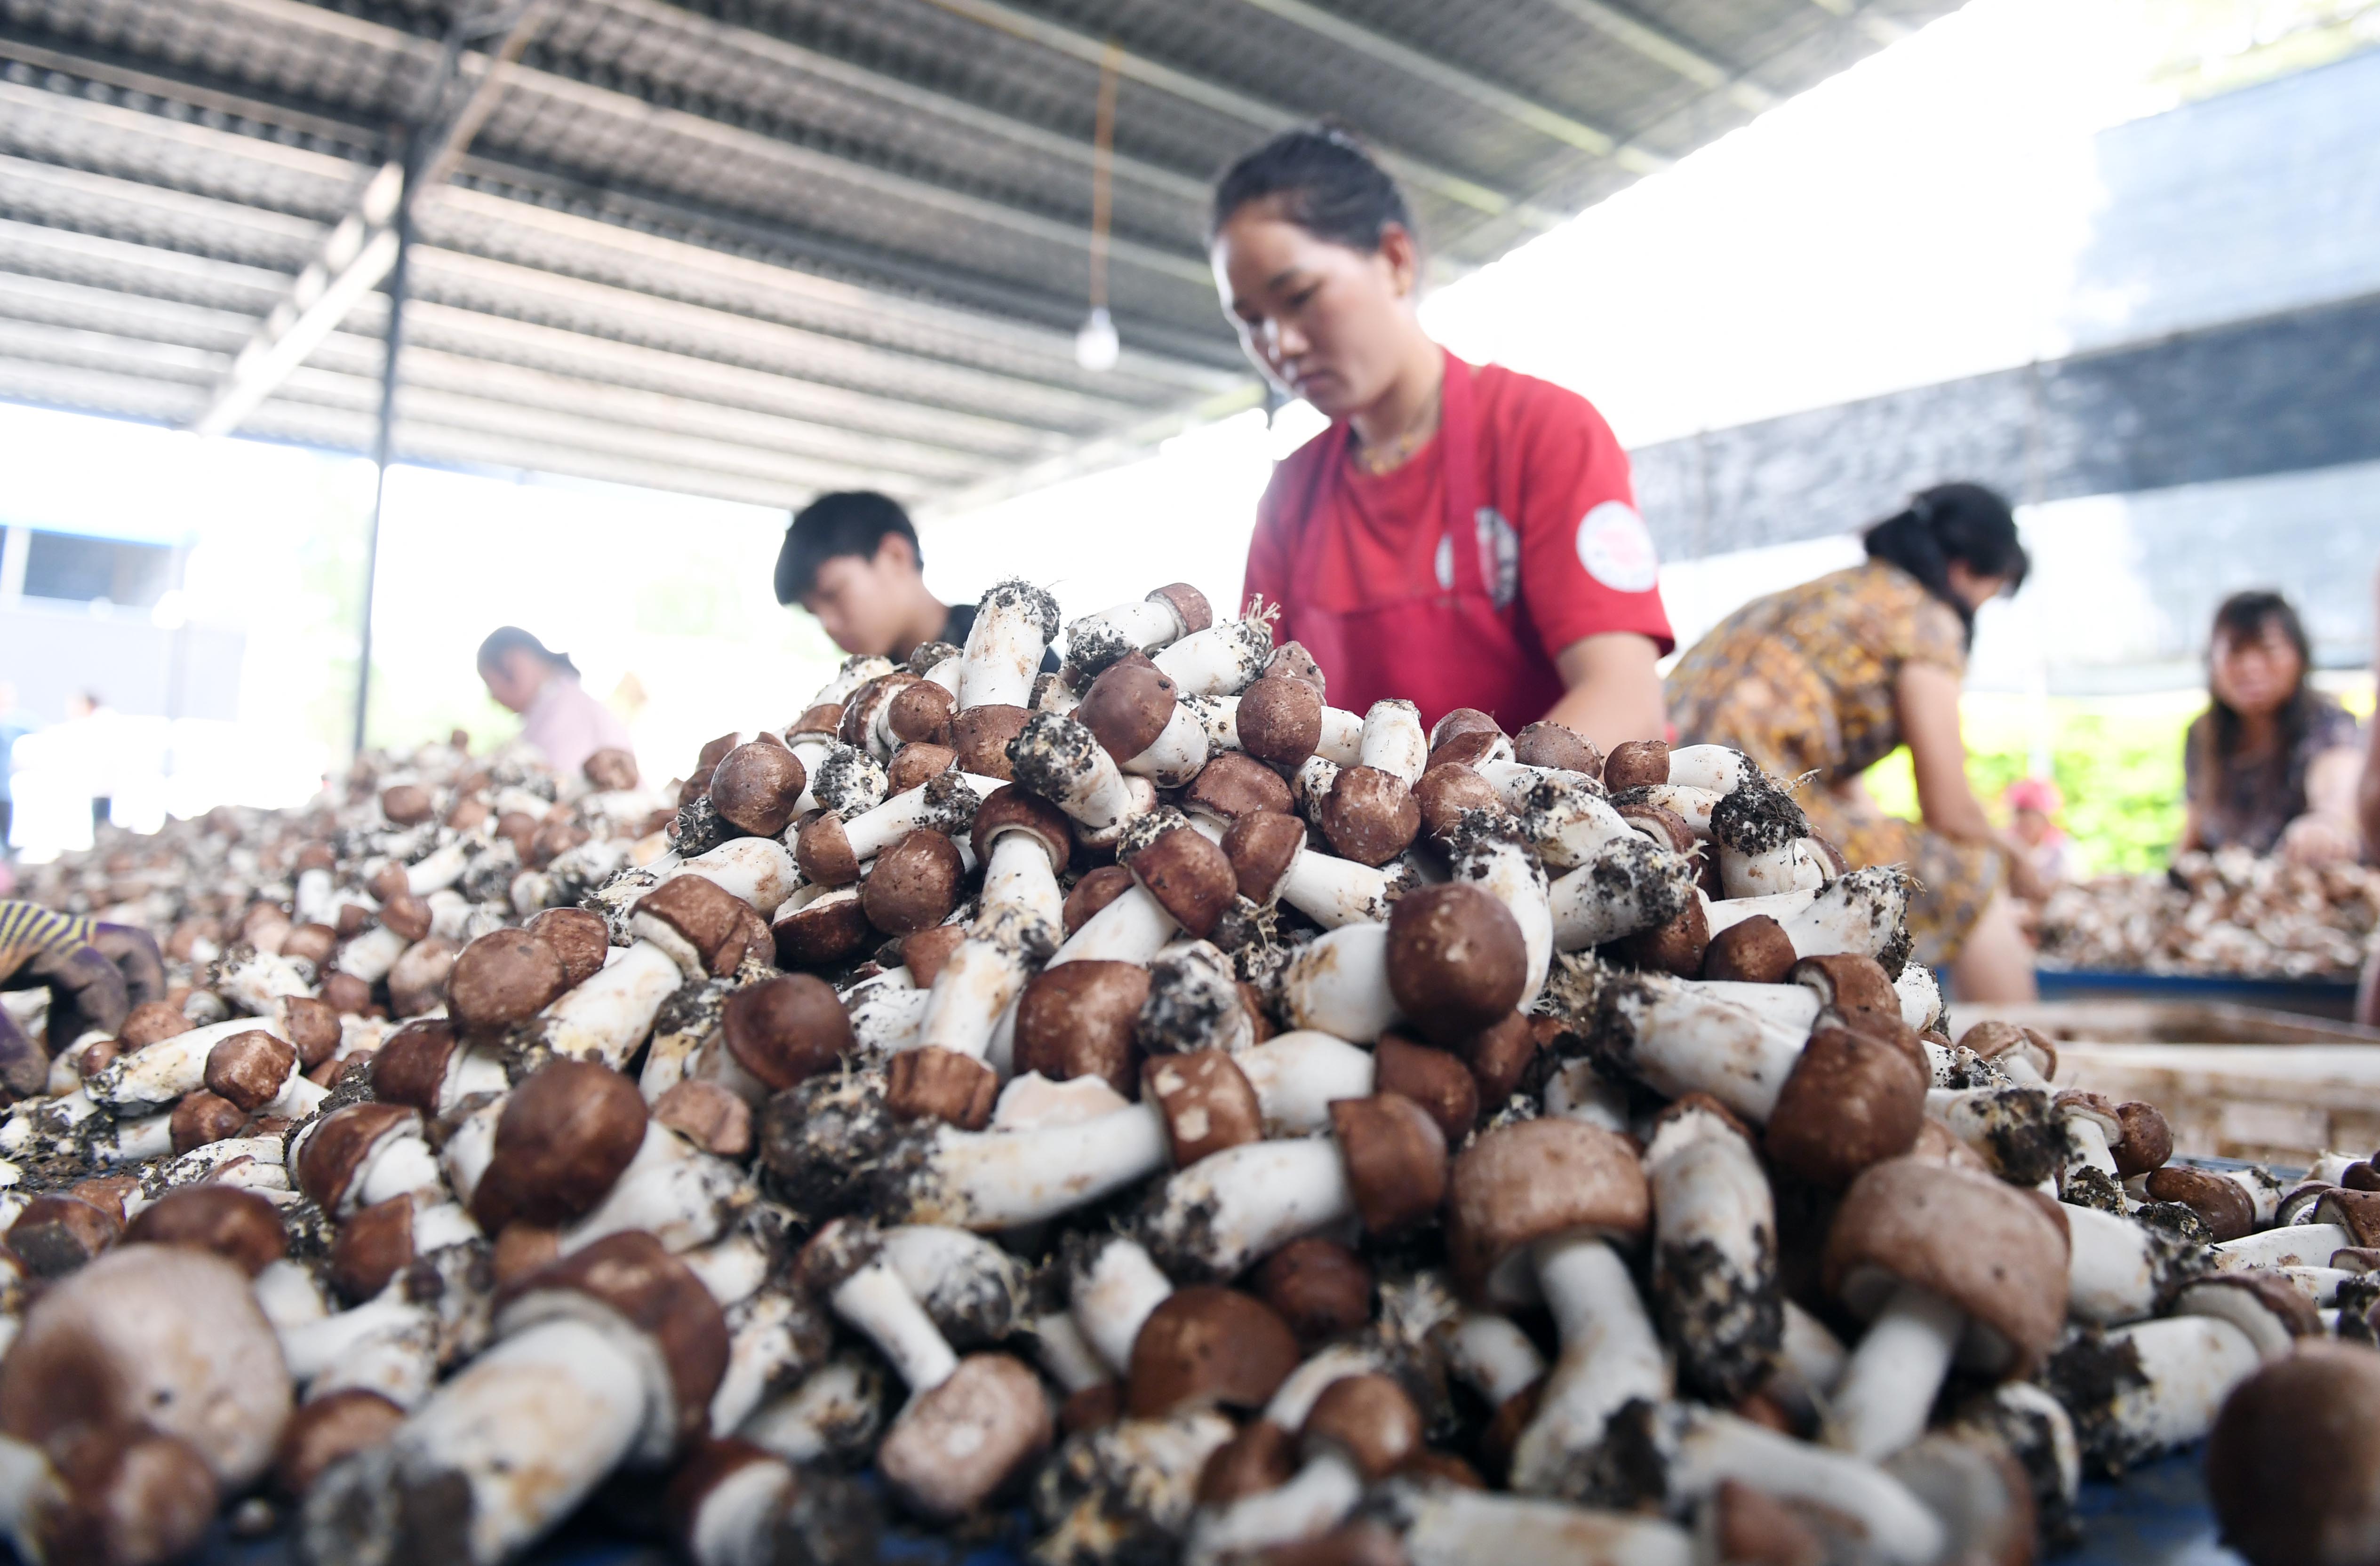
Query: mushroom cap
[411,1067]
[1189,877]
[151,1021]
[1636,763]
[1753,951]
[1679,947]
[250,1068]
[58,1231]
[1369,816]
[1261,1457]
[1205,1347]
[823,849]
[821,932]
[868,699]
[504,977]
[1368,1419]
[342,1142]
[1189,603]
[2146,1142]
[1395,1157]
[2290,1463]
[921,712]
[1501,1054]
[913,885]
[157,1335]
[654,1293]
[1076,1019]
[707,1115]
[955,1446]
[785,1030]
[372,1248]
[1434,1079]
[1095,891]
[823,721]
[2260,1301]
[1853,1099]
[1457,960]
[1232,784]
[1010,809]
[1555,745]
[1127,706]
[1205,1102]
[2222,1204]
[578,937]
[925,953]
[756,786]
[611,768]
[348,995]
[1987,1248]
[1468,748]
[1460,721]
[1522,1183]
[1321,1288]
[1448,789]
[1661,822]
[239,1226]
[406,915]
[1292,661]
[125,1498]
[313,1026]
[406,804]
[202,1117]
[916,764]
[708,917]
[981,736]
[1279,719]
[417,981]
[327,1430]
[564,1135]
[309,943]
[1263,846]
[933,1083]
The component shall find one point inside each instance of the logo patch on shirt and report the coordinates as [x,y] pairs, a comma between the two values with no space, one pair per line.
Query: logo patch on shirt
[1617,548]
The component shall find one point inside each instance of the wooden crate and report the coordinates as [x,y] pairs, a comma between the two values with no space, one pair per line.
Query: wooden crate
[2281,1104]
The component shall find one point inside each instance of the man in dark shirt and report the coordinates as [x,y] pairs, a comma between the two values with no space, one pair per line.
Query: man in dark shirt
[851,559]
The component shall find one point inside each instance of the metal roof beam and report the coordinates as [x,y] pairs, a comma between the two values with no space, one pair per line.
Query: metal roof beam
[1230,101]
[1543,118]
[1665,48]
[1883,30]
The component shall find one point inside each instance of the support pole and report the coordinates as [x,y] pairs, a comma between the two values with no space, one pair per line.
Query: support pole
[383,443]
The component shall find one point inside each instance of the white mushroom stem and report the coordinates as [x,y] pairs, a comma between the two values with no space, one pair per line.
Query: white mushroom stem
[252,983]
[1133,927]
[1314,1501]
[1335,892]
[2113,1272]
[1858,914]
[1310,786]
[989,1180]
[161,1073]
[1004,648]
[329,1348]
[1790,1006]
[1018,876]
[1113,1296]
[757,870]
[806,1424]
[609,1017]
[1791,867]
[1449,1525]
[764,1350]
[1629,886]
[1712,1203]
[876,1302]
[1581,1091]
[2291,1244]
[1074,771]
[1341,740]
[1511,874]
[683,1198]
[1493,1357]
[890,1021]
[1729,912]
[1569,823]
[856,671]
[369,955]
[1810,1359]
[734,1523]
[1219,716]
[1298,1074]
[2188,1364]
[469,1148]
[1710,1448]
[1151,623]
[1721,769]
[1690,804]
[136,1141]
[440,869]
[872,831]
[1682,1041]
[981,978]
[1232,1208]
[311,898]
[1338,983]
[1881,1402]
[1178,751]
[1219,661]
[2086,1136]
[1610,1356]
[1394,740]
[1921,1000]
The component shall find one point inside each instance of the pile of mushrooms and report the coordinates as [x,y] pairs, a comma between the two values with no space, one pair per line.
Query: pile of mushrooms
[1145,1112]
[2229,912]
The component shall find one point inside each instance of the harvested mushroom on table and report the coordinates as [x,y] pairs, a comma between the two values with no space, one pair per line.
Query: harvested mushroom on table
[1236,1127]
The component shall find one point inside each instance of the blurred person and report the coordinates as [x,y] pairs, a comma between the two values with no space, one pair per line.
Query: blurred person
[851,559]
[95,973]
[1460,535]
[13,726]
[2272,765]
[2034,806]
[558,718]
[1832,675]
[2367,800]
[87,727]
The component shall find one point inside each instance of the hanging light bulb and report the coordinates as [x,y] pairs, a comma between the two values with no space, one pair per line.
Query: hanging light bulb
[1097,346]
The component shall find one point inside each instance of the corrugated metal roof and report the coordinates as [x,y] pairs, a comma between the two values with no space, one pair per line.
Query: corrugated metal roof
[757,247]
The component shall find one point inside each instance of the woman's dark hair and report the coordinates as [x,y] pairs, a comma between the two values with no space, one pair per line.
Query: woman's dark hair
[510,638]
[2246,616]
[1964,522]
[1327,184]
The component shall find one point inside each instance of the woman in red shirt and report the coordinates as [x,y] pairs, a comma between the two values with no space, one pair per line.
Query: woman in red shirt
[1460,535]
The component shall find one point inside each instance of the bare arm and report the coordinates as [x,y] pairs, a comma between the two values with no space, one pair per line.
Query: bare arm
[2331,830]
[1925,699]
[1613,688]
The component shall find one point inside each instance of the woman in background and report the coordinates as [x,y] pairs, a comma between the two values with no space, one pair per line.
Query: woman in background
[2272,765]
[1832,675]
[564,723]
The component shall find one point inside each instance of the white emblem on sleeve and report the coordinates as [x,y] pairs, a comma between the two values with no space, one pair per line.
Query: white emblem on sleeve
[1617,549]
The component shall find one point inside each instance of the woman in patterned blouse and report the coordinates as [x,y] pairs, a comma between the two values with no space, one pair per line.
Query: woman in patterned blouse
[1831,677]
[2271,766]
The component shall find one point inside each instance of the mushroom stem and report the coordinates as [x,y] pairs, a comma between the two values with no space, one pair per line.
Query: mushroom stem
[757,870]
[1219,661]
[998,1180]
[1715,1250]
[2290,1245]
[606,1018]
[1133,927]
[2117,1269]
[369,955]
[2162,1384]
[1681,1040]
[1059,759]
[1231,1207]
[1113,1294]
[1297,1075]
[876,1302]
[981,978]
[1887,1390]
[1335,892]
[1707,1448]
[1721,769]
[1630,885]
[1341,740]
[1017,875]
[1493,1357]
[1393,741]
[1338,983]
[1321,1493]
[1568,823]
[1096,641]
[1013,626]
[1449,1525]
[1610,1356]
[1488,856]
[1173,758]
[836,1405]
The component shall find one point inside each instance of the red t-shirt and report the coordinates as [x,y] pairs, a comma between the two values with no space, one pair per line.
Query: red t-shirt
[1563,556]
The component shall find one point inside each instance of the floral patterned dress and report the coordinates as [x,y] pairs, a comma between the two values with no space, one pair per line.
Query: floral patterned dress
[1802,681]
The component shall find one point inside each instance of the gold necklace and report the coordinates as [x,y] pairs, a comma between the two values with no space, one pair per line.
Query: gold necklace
[1384,458]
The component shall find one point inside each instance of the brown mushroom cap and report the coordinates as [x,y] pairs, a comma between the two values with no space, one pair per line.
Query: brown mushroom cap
[1263,847]
[2222,1203]
[915,764]
[980,735]
[1232,784]
[202,1117]
[2146,1142]
[823,851]
[913,885]
[1436,1080]
[1369,1420]
[1076,1019]
[1321,1288]
[1205,1347]
[1987,1248]
[1261,1458]
[1680,947]
[564,1135]
[151,1021]
[711,920]
[1460,721]
[1636,763]
[1187,601]
[411,1067]
[2290,1462]
[653,1293]
[124,1497]
[309,943]
[1854,988]
[578,937]
[504,977]
[786,1029]
[407,805]
[417,981]
[1853,1099]
[1190,878]
[1501,1054]
[1095,891]
[1665,825]
[239,1226]
[938,1084]
[1447,790]
[329,1429]
[1456,959]
[250,1068]
[58,1231]
[958,1444]
[925,953]
[342,1142]
[1395,1157]
[1010,809]
[610,769]
[756,786]
[1552,744]
[1127,706]
[823,721]
[819,933]
[1753,951]
[1279,719]
[1369,816]
[313,1026]
[1467,749]
[372,1248]
[920,713]
[709,1116]
[1205,1102]
[406,915]
[348,995]
[1522,1183]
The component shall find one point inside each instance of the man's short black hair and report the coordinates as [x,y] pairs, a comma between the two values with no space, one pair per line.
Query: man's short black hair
[848,522]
